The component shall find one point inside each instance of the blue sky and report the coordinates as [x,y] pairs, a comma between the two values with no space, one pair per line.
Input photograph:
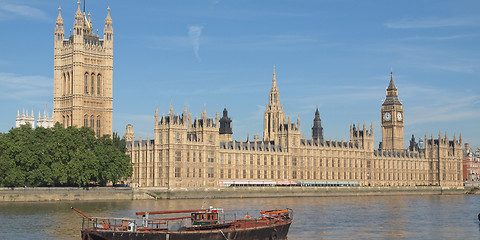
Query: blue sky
[212,54]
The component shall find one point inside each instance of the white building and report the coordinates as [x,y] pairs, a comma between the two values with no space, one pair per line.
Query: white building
[46,121]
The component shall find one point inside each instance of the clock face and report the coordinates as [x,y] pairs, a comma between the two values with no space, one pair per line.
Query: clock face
[399,116]
[387,116]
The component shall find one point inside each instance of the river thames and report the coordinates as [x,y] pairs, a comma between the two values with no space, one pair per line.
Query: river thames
[366,217]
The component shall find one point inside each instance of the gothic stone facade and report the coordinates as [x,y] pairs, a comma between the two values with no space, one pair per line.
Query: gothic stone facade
[200,152]
[83,75]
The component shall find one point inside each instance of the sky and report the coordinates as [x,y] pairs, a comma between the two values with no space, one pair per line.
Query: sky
[336,55]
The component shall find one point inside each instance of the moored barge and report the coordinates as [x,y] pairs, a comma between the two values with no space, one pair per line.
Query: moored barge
[199,224]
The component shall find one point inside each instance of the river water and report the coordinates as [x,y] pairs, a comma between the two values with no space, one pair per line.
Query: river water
[366,217]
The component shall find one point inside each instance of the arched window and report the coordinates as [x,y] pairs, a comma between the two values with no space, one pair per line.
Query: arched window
[98,126]
[68,89]
[64,121]
[68,121]
[92,85]
[92,122]
[85,120]
[99,77]
[85,82]
[71,82]
[64,85]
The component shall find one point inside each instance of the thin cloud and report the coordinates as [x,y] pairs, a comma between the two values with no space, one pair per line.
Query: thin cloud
[409,23]
[438,38]
[433,109]
[22,10]
[285,42]
[215,2]
[24,87]
[194,33]
[431,57]
[449,108]
[454,67]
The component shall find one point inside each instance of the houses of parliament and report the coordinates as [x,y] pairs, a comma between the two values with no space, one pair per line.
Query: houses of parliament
[189,151]
[200,152]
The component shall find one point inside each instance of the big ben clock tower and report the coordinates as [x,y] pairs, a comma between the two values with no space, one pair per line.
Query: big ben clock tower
[392,119]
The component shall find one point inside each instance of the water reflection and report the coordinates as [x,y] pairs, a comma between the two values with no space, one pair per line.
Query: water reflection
[369,217]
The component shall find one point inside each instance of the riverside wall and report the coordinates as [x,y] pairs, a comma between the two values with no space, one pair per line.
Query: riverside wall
[275,192]
[42,194]
[126,193]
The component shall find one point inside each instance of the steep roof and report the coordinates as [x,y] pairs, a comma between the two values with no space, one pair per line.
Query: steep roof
[391,85]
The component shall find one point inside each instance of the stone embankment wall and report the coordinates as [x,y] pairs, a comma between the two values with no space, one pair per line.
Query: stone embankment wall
[126,193]
[69,194]
[252,192]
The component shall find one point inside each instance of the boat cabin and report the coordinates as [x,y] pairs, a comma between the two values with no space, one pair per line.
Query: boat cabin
[209,217]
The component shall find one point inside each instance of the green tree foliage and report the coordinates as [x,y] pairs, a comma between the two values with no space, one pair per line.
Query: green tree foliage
[60,156]
[119,143]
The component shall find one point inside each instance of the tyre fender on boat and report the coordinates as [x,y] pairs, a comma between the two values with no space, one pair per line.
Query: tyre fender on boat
[105,225]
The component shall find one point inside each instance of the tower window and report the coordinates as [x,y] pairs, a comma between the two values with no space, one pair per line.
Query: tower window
[68,82]
[85,82]
[98,126]
[92,122]
[85,121]
[98,84]
[64,85]
[92,82]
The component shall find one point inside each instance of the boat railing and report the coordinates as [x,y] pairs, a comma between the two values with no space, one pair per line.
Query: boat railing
[174,224]
[177,222]
[128,224]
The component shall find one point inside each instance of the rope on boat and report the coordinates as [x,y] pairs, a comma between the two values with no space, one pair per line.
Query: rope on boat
[223,235]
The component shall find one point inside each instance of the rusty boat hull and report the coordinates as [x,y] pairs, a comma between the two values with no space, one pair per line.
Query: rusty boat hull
[273,231]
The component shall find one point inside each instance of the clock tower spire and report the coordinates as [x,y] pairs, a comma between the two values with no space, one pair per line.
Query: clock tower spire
[392,119]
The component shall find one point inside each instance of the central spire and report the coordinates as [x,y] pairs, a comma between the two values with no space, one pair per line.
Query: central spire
[274,80]
[274,95]
[274,115]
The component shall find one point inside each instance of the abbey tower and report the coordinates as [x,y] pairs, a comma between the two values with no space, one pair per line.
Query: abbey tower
[392,119]
[83,75]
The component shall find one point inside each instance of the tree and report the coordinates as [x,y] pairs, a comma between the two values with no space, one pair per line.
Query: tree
[120,144]
[60,156]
